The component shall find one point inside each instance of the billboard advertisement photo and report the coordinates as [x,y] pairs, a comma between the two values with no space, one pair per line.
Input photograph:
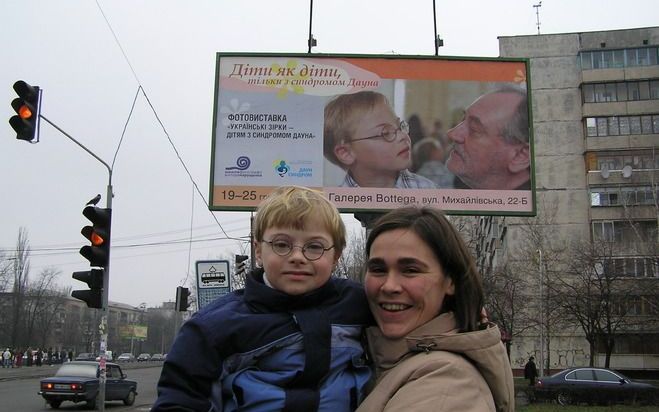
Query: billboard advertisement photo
[374,132]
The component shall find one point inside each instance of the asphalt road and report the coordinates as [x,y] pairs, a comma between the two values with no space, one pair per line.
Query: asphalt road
[19,393]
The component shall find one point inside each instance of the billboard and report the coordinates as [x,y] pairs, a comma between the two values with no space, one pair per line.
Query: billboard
[133,331]
[374,132]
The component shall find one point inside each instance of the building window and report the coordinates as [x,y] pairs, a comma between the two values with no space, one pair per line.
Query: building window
[632,57]
[620,91]
[638,160]
[622,125]
[627,233]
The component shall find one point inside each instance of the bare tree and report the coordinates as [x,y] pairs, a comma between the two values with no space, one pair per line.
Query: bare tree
[45,300]
[592,293]
[6,265]
[538,258]
[20,271]
[351,265]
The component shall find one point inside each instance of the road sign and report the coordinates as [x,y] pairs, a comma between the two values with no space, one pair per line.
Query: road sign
[213,280]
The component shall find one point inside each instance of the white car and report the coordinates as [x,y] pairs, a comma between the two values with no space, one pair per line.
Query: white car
[126,357]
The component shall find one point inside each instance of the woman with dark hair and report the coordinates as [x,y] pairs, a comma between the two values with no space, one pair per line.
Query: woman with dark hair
[431,350]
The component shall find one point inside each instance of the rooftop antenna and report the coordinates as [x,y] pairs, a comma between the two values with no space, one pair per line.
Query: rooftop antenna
[537,14]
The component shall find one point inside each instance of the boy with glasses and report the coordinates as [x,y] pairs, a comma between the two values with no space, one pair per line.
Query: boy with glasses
[363,136]
[290,341]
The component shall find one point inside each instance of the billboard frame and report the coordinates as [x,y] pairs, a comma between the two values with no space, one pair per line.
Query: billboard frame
[256,197]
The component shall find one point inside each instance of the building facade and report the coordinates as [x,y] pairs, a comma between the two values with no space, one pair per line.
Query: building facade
[595,112]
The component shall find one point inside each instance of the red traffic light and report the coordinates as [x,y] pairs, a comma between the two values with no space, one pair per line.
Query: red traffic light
[98,234]
[26,105]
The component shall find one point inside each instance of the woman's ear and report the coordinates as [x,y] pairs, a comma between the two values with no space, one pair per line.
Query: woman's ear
[450,286]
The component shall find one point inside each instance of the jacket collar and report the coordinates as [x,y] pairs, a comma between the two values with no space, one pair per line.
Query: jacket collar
[262,298]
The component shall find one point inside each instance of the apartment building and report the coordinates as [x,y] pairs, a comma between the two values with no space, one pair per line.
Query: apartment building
[595,110]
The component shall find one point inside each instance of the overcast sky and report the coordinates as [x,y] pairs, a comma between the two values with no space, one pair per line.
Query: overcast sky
[90,80]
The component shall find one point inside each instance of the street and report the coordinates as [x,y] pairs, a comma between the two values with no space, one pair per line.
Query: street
[20,394]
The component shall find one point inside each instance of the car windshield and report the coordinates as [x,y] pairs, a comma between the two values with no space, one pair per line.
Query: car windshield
[77,369]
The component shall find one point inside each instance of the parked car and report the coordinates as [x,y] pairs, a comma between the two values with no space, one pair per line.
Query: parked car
[108,356]
[126,357]
[143,357]
[594,385]
[77,381]
[157,357]
[85,357]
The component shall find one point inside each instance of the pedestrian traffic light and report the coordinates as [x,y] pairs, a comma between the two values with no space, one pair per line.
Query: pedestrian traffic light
[94,279]
[98,253]
[26,121]
[241,265]
[182,295]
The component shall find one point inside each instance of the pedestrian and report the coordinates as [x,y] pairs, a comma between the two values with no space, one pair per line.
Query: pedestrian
[19,358]
[6,358]
[30,358]
[530,371]
[39,357]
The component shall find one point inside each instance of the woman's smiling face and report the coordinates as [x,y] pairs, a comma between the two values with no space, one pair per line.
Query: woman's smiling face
[405,283]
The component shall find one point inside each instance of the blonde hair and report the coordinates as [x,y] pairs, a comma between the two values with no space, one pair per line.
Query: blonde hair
[293,207]
[342,114]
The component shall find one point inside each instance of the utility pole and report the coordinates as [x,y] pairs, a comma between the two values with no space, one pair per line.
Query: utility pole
[103,324]
[542,316]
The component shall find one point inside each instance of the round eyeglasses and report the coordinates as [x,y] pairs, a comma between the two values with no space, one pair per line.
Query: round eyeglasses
[313,250]
[388,133]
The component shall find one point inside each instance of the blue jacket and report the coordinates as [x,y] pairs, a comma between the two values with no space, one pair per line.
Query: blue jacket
[260,349]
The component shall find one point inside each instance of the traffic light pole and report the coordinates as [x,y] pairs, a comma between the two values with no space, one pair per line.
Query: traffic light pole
[103,325]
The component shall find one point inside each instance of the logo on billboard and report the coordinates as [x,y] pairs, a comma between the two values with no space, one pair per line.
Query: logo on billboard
[296,168]
[281,167]
[242,163]
[240,169]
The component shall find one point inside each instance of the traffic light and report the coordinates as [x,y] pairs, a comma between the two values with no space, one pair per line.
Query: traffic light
[98,254]
[182,295]
[26,121]
[94,279]
[241,265]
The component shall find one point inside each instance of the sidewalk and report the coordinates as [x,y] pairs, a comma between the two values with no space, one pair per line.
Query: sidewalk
[25,372]
[43,371]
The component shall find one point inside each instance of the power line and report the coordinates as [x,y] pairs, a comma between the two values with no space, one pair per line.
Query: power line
[155,113]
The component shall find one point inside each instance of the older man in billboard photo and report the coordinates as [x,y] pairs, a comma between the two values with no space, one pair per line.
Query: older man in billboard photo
[491,143]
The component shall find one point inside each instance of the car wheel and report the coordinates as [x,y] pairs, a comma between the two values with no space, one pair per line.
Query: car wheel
[130,398]
[55,404]
[564,398]
[91,404]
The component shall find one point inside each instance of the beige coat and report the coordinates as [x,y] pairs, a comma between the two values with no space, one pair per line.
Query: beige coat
[435,368]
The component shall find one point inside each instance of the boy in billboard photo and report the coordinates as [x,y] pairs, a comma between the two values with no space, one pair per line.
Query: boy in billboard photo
[291,340]
[491,144]
[364,137]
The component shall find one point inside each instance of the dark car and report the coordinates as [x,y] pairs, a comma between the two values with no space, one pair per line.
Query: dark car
[85,357]
[78,382]
[143,357]
[594,386]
